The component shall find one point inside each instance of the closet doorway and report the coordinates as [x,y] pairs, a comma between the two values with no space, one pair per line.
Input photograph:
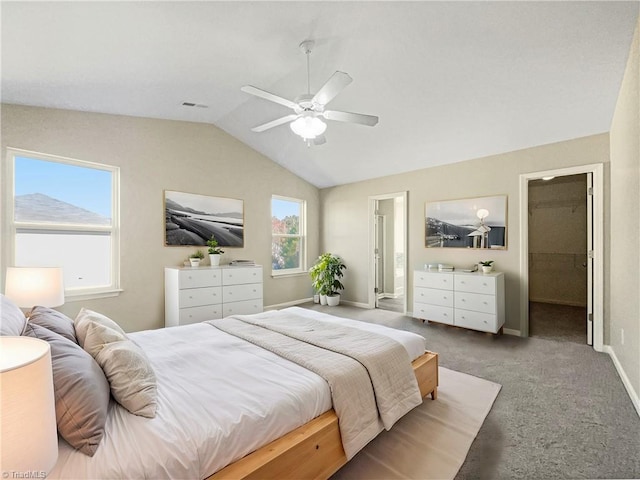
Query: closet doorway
[558,258]
[561,256]
[387,247]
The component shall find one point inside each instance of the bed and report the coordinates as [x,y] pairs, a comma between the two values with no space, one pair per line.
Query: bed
[230,409]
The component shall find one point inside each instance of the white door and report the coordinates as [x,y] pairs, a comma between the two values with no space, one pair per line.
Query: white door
[589,318]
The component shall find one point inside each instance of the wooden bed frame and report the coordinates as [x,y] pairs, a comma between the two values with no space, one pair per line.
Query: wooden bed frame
[314,450]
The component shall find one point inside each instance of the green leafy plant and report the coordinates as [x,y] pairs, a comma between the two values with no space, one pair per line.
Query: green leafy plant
[326,273]
[486,263]
[212,243]
[199,254]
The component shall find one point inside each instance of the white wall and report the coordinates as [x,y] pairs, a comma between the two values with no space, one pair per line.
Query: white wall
[155,155]
[344,211]
[625,222]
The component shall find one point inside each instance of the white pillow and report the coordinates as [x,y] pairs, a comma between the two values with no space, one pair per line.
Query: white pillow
[127,368]
[85,317]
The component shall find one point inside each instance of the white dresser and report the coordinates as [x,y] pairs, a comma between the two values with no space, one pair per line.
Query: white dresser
[469,300]
[193,295]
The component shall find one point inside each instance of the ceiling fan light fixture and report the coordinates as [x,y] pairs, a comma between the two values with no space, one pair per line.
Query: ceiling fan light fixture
[308,127]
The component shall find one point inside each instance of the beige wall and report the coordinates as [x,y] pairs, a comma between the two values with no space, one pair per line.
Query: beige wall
[558,240]
[625,220]
[154,155]
[345,216]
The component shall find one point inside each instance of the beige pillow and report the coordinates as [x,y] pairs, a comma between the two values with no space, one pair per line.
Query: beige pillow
[127,368]
[85,317]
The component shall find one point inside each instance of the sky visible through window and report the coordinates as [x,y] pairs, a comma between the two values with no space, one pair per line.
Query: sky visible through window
[88,188]
[284,208]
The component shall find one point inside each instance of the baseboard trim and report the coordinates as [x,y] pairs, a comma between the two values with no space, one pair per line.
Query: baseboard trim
[635,399]
[511,331]
[278,306]
[355,304]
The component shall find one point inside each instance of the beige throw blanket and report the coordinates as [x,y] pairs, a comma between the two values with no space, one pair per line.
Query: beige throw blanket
[370,376]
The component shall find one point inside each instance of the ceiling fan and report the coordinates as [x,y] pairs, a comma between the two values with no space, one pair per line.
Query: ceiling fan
[309,110]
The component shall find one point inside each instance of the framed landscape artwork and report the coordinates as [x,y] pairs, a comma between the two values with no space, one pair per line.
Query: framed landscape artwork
[191,219]
[468,223]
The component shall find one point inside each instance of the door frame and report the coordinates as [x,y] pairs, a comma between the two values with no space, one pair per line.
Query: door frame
[597,170]
[372,260]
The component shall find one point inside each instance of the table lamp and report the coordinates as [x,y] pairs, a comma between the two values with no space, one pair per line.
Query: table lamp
[28,432]
[30,286]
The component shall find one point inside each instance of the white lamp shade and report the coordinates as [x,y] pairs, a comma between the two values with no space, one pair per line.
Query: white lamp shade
[28,432]
[308,126]
[30,286]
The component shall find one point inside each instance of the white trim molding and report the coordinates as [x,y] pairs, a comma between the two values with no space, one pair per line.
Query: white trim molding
[635,399]
[511,331]
[292,303]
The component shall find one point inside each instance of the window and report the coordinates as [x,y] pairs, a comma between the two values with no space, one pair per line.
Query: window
[65,213]
[288,232]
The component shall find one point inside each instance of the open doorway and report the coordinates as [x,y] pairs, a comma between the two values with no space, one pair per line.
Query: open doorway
[558,258]
[580,270]
[388,239]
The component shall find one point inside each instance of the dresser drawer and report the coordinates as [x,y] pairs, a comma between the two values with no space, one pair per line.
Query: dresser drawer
[475,301]
[240,275]
[200,278]
[476,284]
[236,293]
[477,321]
[443,281]
[194,297]
[433,312]
[246,307]
[433,296]
[200,314]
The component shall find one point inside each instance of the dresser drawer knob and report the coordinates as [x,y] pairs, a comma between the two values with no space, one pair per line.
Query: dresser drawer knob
[444,314]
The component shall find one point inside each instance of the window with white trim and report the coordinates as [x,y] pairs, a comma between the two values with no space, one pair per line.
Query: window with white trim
[288,235]
[64,212]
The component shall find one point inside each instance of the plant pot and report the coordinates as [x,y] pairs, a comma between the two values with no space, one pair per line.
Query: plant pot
[333,300]
[195,262]
[487,269]
[323,299]
[316,298]
[214,259]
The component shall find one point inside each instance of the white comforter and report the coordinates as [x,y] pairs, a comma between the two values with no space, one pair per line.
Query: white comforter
[219,399]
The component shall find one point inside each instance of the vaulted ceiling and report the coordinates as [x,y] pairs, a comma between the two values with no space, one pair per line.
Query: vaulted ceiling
[450,81]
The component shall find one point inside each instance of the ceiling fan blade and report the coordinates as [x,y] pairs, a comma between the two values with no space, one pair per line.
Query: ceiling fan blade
[331,88]
[268,96]
[369,120]
[320,140]
[274,123]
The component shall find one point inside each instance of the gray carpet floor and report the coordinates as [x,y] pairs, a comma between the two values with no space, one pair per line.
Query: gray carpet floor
[558,322]
[562,413]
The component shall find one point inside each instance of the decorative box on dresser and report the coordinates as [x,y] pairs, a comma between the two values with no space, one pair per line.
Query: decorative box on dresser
[194,295]
[468,300]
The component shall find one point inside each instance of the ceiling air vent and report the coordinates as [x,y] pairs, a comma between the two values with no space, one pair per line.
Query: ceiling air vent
[197,105]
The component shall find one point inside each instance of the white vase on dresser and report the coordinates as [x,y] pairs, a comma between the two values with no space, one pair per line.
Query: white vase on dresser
[468,300]
[194,295]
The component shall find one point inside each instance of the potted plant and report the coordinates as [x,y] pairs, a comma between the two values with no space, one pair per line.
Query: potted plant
[325,276]
[195,258]
[214,251]
[487,266]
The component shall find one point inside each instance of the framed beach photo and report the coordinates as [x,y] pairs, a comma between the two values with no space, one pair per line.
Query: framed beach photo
[467,223]
[191,219]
